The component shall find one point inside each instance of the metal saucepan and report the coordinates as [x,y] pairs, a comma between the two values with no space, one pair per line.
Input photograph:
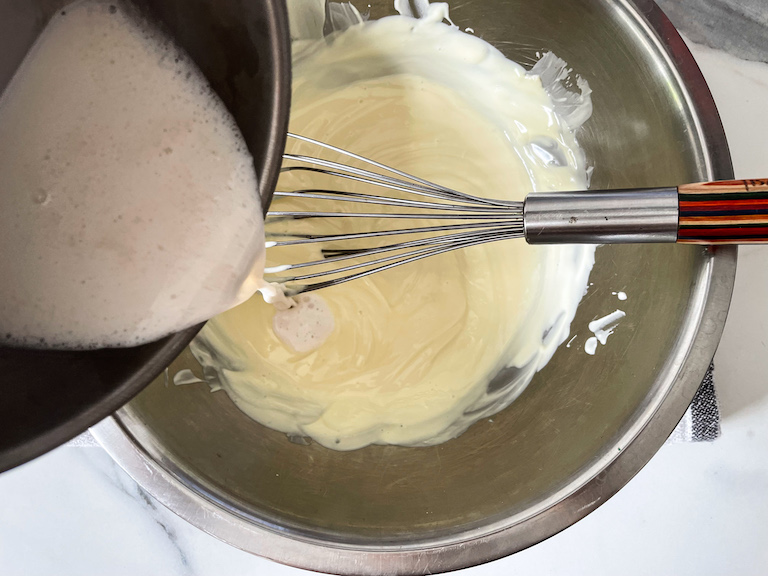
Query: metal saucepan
[242,48]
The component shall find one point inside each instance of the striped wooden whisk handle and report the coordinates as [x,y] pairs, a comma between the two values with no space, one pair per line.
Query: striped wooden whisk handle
[726,212]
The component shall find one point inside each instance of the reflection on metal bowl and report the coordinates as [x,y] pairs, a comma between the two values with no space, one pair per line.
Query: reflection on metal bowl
[579,432]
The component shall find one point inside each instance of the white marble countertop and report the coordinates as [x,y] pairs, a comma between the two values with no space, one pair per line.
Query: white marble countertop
[698,509]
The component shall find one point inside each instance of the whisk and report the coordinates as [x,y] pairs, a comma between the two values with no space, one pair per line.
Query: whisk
[439,219]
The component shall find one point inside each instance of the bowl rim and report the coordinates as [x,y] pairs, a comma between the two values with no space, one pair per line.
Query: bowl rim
[594,485]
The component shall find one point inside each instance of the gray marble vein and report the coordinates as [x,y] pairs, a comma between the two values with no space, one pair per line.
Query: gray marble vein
[169,530]
[739,27]
[129,488]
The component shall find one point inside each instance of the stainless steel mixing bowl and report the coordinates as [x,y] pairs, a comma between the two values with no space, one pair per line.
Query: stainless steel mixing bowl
[584,426]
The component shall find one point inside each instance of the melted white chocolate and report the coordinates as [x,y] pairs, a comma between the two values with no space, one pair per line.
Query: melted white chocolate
[414,350]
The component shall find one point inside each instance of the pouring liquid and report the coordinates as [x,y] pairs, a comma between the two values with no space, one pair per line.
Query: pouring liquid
[129,206]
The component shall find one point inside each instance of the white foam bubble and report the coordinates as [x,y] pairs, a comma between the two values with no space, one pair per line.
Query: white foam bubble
[305,326]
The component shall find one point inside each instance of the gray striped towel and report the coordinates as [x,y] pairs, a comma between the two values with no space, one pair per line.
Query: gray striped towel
[701,422]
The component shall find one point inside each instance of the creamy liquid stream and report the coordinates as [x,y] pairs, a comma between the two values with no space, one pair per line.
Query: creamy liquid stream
[414,353]
[129,206]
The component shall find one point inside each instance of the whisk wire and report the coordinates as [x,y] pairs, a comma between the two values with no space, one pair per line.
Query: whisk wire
[363,176]
[397,215]
[426,185]
[341,255]
[392,261]
[322,194]
[313,239]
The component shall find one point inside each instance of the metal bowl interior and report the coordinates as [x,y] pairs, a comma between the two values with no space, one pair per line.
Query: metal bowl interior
[242,48]
[585,424]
